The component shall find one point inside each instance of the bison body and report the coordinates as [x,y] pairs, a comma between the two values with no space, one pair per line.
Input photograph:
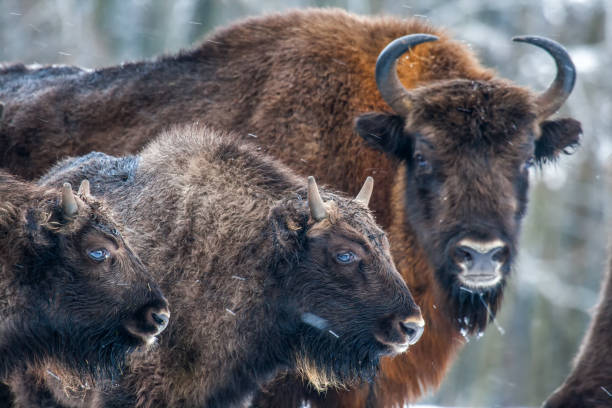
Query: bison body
[260,279]
[74,297]
[589,384]
[451,144]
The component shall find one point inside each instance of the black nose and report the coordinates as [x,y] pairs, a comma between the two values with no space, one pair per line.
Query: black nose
[400,330]
[150,320]
[161,319]
[158,318]
[413,329]
[480,261]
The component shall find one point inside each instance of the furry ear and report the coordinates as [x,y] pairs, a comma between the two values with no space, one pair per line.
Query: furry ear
[288,225]
[385,132]
[557,136]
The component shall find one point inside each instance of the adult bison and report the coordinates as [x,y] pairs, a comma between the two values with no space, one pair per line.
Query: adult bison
[260,278]
[73,296]
[589,385]
[451,144]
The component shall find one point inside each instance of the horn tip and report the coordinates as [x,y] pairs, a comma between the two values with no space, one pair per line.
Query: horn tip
[528,38]
[84,187]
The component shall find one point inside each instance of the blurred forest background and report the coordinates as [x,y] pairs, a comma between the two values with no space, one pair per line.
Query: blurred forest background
[563,250]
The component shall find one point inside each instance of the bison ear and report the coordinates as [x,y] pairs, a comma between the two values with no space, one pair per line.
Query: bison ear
[385,132]
[556,137]
[287,226]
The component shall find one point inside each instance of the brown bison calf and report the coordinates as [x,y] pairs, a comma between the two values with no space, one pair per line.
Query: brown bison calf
[73,296]
[589,385]
[262,274]
[450,143]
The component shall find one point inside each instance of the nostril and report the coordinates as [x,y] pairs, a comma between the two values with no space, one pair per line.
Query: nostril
[408,328]
[412,330]
[160,318]
[463,255]
[500,254]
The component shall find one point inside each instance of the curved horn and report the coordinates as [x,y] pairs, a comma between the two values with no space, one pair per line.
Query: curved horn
[389,85]
[315,203]
[549,101]
[366,191]
[69,205]
[84,189]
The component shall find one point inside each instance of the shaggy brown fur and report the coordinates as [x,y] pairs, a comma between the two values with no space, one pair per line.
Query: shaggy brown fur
[254,281]
[455,167]
[59,307]
[589,385]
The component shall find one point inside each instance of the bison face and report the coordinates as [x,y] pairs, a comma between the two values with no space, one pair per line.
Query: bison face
[350,303]
[93,297]
[466,148]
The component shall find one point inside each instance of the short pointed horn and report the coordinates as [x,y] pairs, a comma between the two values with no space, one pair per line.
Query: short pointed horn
[366,191]
[84,189]
[549,101]
[389,85]
[69,205]
[315,202]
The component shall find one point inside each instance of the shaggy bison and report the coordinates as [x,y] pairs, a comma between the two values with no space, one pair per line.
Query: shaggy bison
[74,298]
[450,143]
[262,274]
[589,385]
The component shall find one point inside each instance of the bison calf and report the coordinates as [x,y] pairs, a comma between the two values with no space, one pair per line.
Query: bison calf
[263,274]
[589,385]
[73,296]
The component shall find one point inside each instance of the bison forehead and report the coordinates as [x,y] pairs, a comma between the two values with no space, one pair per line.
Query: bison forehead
[466,111]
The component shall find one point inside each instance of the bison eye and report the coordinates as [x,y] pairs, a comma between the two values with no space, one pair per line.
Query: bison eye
[421,163]
[345,257]
[420,160]
[99,254]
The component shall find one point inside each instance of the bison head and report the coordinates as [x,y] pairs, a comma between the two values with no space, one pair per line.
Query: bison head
[466,148]
[80,297]
[348,303]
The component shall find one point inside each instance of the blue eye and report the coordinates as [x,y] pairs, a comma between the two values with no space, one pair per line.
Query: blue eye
[345,257]
[529,163]
[421,161]
[99,254]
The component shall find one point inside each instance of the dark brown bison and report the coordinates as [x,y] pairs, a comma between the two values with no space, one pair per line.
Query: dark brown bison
[450,143]
[262,274]
[73,296]
[589,385]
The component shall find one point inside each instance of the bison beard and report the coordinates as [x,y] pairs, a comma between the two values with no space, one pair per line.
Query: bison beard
[73,346]
[329,361]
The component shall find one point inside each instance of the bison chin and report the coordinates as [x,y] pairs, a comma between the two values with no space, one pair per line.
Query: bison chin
[327,361]
[474,308]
